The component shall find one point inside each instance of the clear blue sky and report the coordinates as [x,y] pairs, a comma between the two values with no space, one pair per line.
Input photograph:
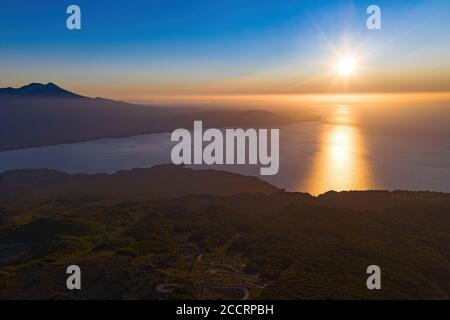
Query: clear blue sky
[133,48]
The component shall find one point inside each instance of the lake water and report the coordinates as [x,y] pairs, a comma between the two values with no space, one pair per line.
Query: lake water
[353,147]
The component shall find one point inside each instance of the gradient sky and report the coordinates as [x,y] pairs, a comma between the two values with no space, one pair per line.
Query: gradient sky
[139,49]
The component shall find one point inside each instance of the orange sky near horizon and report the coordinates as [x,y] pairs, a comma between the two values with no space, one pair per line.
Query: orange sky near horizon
[293,100]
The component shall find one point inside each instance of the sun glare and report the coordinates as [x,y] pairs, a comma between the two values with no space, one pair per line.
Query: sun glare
[346,66]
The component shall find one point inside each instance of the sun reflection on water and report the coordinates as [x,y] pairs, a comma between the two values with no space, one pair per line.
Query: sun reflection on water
[339,163]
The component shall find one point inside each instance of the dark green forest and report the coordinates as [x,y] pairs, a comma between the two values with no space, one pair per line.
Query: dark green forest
[229,244]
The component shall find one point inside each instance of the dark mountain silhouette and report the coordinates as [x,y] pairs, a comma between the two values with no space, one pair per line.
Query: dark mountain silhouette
[39,115]
[161,181]
[131,232]
[38,90]
[225,118]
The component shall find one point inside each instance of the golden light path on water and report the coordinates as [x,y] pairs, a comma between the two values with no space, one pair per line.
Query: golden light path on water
[339,163]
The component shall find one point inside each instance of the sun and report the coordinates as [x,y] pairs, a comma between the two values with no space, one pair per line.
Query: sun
[346,66]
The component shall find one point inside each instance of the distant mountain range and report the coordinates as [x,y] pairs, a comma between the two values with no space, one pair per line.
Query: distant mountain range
[45,114]
[38,90]
[161,181]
